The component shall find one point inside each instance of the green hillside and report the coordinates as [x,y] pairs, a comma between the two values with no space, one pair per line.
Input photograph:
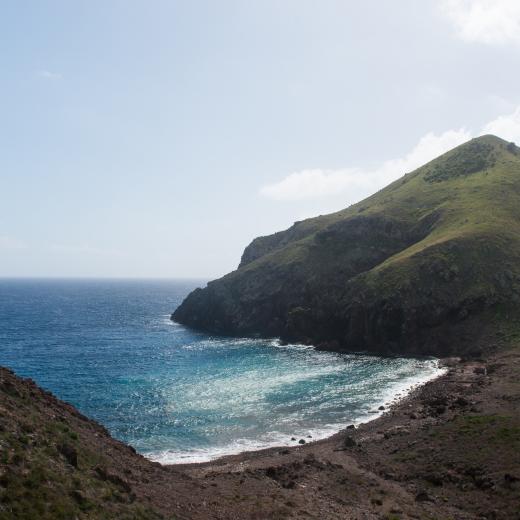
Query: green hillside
[409,269]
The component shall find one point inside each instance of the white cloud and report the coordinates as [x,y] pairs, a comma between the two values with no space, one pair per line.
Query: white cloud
[484,21]
[309,184]
[354,183]
[358,182]
[47,74]
[506,126]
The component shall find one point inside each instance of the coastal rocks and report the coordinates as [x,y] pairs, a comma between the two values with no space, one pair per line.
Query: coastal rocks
[436,405]
[396,430]
[439,410]
[286,475]
[301,441]
[349,442]
[461,402]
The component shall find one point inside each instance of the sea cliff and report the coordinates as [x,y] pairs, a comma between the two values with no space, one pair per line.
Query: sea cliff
[408,270]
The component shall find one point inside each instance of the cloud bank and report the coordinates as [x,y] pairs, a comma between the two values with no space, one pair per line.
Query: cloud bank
[507,126]
[315,183]
[484,21]
[358,183]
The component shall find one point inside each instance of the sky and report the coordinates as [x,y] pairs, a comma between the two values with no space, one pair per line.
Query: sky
[157,138]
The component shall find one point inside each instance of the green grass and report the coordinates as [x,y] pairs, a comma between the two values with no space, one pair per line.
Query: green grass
[499,429]
[469,205]
[440,237]
[36,481]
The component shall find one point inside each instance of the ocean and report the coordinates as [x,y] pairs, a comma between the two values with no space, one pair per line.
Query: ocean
[179,395]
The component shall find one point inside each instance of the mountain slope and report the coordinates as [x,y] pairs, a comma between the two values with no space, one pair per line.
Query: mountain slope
[408,269]
[55,463]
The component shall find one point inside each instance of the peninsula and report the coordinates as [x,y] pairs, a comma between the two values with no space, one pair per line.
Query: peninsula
[409,270]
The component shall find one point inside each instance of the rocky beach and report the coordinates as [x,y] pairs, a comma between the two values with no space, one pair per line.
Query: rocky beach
[450,449]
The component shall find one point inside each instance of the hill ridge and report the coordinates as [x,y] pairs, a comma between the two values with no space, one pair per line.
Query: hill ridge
[450,229]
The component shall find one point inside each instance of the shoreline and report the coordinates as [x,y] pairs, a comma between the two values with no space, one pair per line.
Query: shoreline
[410,462]
[395,397]
[450,448]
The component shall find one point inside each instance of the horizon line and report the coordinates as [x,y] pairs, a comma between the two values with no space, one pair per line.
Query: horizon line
[51,277]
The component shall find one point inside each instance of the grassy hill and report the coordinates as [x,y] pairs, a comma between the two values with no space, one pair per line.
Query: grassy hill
[409,269]
[57,464]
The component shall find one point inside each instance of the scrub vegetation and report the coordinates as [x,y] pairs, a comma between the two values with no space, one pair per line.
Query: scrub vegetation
[406,270]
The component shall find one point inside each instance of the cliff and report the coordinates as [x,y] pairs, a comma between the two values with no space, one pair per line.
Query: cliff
[407,270]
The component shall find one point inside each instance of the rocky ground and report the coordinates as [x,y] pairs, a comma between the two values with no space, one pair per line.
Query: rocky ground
[451,450]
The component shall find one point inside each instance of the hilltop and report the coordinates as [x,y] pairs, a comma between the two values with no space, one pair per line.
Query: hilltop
[429,264]
[408,270]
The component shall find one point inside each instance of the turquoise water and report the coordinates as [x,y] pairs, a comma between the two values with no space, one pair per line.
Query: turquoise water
[175,394]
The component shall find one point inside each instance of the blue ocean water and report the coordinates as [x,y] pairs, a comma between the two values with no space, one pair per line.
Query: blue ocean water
[178,395]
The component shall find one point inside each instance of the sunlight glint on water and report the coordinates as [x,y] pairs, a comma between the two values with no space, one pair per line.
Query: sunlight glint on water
[175,394]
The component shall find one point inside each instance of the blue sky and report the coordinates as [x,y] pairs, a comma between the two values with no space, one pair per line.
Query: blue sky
[158,138]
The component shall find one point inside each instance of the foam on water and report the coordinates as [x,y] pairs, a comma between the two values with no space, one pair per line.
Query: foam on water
[391,396]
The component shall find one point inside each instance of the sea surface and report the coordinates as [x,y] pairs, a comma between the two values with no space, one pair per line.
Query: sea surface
[175,394]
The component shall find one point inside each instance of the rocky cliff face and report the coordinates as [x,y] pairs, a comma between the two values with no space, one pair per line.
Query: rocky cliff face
[407,270]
